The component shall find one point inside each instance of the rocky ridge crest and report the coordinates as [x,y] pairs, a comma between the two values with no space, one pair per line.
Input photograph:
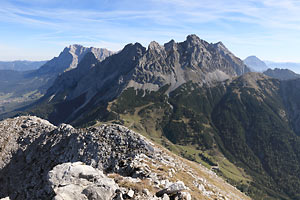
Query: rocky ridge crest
[282,74]
[42,161]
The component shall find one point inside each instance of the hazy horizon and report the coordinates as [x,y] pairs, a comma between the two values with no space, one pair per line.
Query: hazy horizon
[39,30]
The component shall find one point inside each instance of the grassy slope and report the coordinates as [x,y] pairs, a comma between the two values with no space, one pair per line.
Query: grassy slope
[237,131]
[154,115]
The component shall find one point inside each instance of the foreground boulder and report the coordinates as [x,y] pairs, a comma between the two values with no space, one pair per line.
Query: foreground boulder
[172,189]
[80,181]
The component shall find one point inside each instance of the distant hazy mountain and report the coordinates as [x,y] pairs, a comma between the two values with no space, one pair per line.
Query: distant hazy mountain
[284,65]
[282,74]
[255,64]
[21,65]
[18,88]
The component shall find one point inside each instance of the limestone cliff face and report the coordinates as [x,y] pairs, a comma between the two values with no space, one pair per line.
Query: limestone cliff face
[70,57]
[41,161]
[177,63]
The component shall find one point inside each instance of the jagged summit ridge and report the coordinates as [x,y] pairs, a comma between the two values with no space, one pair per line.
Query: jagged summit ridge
[192,60]
[172,64]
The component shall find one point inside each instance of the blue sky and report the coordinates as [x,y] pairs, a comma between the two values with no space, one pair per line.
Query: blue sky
[40,29]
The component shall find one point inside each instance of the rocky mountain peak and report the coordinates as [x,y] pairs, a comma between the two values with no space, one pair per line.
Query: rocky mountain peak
[78,50]
[154,46]
[74,50]
[252,57]
[75,46]
[193,39]
[171,46]
[220,46]
[255,64]
[70,57]
[135,48]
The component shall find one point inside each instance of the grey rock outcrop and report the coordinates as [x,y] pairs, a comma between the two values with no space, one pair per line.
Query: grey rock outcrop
[36,148]
[80,181]
[172,189]
[42,161]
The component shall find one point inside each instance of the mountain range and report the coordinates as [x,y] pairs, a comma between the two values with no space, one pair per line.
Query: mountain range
[148,70]
[257,65]
[195,98]
[21,65]
[284,65]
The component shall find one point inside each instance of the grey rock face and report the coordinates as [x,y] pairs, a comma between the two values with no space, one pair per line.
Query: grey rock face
[191,60]
[80,181]
[70,57]
[13,138]
[69,79]
[33,150]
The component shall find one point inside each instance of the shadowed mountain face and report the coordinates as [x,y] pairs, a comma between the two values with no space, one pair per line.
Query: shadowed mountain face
[255,64]
[282,74]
